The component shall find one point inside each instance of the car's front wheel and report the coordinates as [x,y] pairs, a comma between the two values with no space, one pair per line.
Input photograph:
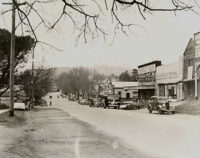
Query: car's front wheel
[173,112]
[160,111]
[149,108]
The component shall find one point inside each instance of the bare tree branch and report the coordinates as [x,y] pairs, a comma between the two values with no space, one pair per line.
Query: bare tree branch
[87,22]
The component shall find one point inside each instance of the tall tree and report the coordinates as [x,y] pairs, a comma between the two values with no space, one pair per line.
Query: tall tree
[124,76]
[78,80]
[22,50]
[134,76]
[41,82]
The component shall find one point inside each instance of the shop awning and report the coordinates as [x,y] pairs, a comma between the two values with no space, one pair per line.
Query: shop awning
[187,80]
[146,87]
[130,88]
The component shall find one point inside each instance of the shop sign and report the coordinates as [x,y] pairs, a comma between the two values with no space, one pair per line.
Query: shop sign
[146,78]
[167,75]
[197,45]
[147,69]
[190,70]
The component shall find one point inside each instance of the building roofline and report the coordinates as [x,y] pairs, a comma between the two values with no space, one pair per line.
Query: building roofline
[196,33]
[190,40]
[149,63]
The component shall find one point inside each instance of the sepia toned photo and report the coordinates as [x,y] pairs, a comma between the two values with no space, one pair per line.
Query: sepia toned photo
[99,79]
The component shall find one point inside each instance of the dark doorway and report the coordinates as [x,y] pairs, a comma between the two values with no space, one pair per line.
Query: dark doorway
[127,95]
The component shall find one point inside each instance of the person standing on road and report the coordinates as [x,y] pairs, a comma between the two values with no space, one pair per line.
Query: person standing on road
[50,103]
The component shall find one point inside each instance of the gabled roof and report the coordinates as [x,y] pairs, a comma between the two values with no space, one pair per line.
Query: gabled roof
[189,45]
[124,84]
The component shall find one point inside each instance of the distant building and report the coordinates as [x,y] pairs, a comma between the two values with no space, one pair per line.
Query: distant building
[147,79]
[18,94]
[126,90]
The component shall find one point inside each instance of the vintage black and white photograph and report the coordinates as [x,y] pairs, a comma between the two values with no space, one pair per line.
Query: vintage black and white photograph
[99,78]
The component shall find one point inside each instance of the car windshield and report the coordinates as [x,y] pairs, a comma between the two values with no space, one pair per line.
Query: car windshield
[162,99]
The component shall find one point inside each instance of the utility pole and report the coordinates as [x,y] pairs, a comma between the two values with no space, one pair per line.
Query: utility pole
[12,62]
[12,57]
[32,82]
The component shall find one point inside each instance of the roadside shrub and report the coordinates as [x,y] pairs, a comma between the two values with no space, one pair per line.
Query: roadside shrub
[3,106]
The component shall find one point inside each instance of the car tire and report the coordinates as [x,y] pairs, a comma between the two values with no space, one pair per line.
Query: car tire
[150,111]
[160,111]
[173,112]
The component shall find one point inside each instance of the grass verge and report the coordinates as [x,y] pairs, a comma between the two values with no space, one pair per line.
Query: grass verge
[189,107]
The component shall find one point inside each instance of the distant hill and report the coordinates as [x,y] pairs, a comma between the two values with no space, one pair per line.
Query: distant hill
[108,70]
[102,69]
[60,70]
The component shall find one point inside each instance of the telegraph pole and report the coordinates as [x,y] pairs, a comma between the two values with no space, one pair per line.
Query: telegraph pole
[12,56]
[12,62]
[32,82]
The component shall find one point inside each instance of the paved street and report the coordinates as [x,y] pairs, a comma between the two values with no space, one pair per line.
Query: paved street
[52,133]
[170,136]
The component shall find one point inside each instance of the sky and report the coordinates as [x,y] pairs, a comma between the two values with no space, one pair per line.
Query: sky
[164,37]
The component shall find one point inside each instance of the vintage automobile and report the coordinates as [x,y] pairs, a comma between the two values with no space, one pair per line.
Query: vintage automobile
[160,104]
[114,101]
[95,102]
[83,101]
[20,106]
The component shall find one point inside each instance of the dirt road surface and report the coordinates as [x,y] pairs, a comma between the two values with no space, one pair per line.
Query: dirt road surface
[165,136]
[53,133]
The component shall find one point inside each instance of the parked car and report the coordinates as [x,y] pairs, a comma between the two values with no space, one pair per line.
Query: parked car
[20,106]
[160,104]
[83,101]
[114,101]
[95,102]
[132,106]
[115,104]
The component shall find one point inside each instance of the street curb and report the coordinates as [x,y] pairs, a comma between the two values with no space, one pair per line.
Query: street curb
[3,111]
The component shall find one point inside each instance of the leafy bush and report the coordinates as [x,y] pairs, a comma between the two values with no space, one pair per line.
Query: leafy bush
[3,106]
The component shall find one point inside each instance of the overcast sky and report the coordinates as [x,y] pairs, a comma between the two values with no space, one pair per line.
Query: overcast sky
[165,38]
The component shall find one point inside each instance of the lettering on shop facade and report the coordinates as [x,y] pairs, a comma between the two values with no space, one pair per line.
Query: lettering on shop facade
[146,75]
[167,75]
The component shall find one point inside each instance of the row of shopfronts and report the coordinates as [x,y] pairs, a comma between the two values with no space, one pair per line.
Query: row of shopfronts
[161,80]
[180,80]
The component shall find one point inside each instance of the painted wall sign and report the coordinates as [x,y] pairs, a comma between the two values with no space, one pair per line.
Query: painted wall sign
[147,69]
[197,45]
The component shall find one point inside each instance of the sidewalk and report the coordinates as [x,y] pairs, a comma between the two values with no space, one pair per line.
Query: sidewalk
[52,133]
[177,103]
[3,111]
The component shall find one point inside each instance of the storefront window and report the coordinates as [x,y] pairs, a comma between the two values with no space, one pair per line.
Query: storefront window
[172,92]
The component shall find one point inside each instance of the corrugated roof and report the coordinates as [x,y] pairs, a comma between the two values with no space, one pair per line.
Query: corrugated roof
[124,84]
